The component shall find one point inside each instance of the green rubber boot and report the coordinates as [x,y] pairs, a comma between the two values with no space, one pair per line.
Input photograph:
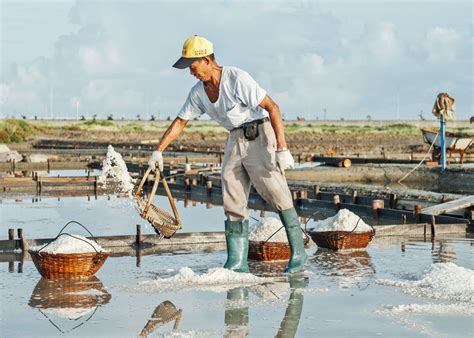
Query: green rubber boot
[237,239]
[290,220]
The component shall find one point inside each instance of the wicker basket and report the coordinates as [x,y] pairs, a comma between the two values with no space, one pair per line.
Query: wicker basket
[68,266]
[164,224]
[269,251]
[340,240]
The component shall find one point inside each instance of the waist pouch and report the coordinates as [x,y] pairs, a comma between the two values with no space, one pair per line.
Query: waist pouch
[251,128]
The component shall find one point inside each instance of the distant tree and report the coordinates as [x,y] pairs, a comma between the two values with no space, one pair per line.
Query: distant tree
[36,117]
[23,117]
[138,117]
[94,117]
[110,117]
[369,117]
[152,118]
[168,118]
[83,118]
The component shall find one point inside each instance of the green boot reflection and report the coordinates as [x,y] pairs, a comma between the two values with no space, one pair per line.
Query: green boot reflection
[290,220]
[289,324]
[237,314]
[237,239]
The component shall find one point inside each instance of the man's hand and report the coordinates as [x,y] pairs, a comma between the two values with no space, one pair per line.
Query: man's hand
[156,157]
[284,160]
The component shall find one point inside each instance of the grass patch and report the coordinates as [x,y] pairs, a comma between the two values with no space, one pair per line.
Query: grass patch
[13,130]
[100,123]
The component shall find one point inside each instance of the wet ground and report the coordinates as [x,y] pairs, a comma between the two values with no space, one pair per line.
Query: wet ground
[339,294]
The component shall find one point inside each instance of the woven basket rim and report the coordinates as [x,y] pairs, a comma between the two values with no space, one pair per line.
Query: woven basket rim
[268,242]
[71,255]
[341,232]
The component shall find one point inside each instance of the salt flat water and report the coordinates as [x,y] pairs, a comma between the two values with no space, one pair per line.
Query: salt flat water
[391,289]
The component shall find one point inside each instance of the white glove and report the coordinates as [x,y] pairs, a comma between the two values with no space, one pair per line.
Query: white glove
[284,160]
[156,157]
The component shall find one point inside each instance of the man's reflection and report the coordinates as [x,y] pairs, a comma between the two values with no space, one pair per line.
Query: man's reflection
[290,322]
[237,313]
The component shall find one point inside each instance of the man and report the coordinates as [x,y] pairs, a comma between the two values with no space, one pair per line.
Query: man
[255,152]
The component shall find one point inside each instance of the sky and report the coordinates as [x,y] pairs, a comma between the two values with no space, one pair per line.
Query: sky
[336,59]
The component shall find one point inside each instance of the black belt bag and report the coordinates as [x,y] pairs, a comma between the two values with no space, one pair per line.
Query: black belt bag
[251,128]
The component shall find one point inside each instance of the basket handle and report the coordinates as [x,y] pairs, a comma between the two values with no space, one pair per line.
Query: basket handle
[170,197]
[159,175]
[153,191]
[61,233]
[67,224]
[142,182]
[178,319]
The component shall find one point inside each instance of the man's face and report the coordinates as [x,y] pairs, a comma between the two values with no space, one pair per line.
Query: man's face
[201,69]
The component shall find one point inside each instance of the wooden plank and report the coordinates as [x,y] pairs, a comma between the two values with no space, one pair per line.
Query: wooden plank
[443,208]
[419,229]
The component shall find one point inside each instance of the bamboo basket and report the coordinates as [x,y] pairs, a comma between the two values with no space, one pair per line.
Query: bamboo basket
[164,224]
[271,251]
[341,240]
[68,265]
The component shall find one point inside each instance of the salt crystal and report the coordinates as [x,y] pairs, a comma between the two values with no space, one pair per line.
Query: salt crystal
[114,167]
[262,231]
[65,244]
[344,220]
[445,281]
[216,280]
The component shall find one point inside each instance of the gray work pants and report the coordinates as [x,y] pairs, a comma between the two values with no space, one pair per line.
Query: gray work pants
[252,162]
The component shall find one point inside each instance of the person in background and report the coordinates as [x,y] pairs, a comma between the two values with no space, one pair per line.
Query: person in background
[255,153]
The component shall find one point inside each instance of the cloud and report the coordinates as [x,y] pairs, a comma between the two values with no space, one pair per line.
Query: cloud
[308,56]
[441,45]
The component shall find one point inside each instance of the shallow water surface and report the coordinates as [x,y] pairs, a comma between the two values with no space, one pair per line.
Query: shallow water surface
[374,292]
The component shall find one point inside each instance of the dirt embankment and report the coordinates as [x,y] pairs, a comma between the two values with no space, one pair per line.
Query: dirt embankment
[299,143]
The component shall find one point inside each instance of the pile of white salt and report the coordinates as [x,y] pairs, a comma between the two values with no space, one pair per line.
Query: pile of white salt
[344,220]
[262,231]
[114,167]
[215,280]
[66,244]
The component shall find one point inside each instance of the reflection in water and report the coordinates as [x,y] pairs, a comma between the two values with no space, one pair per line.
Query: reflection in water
[237,313]
[68,301]
[291,320]
[163,314]
[350,267]
[442,252]
[264,268]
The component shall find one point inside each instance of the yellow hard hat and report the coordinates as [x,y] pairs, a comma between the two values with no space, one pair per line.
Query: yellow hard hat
[194,48]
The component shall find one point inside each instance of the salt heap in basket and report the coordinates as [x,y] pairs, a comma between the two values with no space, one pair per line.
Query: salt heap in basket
[268,241]
[345,230]
[70,256]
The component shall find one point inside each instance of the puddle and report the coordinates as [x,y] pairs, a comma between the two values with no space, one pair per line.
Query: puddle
[358,293]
